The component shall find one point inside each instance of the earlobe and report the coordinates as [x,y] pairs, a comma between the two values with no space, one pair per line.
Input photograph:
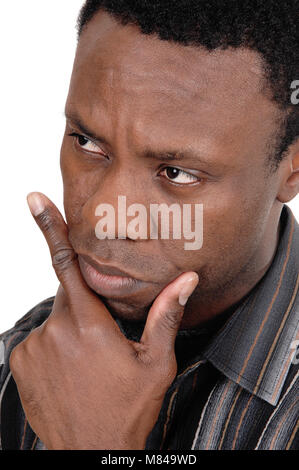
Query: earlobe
[290,182]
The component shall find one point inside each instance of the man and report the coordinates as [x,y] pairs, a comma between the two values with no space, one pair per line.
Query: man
[147,345]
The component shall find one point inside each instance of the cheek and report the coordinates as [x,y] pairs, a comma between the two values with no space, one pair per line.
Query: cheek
[79,185]
[77,191]
[233,225]
[234,228]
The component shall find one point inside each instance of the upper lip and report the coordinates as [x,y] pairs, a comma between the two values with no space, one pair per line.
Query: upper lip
[105,268]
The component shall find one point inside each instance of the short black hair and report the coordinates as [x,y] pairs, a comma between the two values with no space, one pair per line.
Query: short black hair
[269,27]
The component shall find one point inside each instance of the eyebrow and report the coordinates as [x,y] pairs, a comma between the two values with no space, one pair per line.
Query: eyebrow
[166,156]
[75,119]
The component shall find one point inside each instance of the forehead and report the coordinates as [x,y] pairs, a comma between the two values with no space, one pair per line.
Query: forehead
[118,70]
[122,51]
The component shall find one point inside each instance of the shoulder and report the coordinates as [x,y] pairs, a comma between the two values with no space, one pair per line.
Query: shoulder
[10,338]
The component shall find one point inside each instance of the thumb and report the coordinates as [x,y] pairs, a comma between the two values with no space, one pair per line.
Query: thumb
[165,315]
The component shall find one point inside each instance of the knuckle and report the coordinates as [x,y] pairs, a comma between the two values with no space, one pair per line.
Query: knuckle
[170,319]
[55,334]
[15,357]
[45,220]
[63,258]
[160,365]
[50,330]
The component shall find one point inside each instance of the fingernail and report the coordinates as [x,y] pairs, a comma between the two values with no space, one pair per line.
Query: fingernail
[35,203]
[188,288]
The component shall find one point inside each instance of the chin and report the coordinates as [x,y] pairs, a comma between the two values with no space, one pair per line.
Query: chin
[126,311]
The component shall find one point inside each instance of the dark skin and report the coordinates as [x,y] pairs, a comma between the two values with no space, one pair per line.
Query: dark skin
[140,93]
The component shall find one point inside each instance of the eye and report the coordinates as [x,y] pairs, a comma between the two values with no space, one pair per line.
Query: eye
[86,143]
[179,176]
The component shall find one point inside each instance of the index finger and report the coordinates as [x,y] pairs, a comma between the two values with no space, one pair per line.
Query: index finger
[64,258]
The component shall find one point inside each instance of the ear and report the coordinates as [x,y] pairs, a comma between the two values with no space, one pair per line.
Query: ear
[289,187]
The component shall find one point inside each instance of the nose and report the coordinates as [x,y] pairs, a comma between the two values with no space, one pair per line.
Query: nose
[118,208]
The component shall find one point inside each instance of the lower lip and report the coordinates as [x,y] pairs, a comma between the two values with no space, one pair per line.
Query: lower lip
[108,286]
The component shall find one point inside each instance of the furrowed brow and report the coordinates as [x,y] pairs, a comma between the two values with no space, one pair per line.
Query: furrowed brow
[79,124]
[183,155]
[189,156]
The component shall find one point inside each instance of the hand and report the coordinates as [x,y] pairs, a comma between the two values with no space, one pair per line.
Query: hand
[82,383]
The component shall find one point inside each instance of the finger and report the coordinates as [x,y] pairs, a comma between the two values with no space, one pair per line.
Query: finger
[64,258]
[165,315]
[60,301]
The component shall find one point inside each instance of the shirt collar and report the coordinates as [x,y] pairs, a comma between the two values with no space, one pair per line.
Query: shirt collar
[256,345]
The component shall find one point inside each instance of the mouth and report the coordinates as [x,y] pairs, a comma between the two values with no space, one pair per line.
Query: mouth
[106,280]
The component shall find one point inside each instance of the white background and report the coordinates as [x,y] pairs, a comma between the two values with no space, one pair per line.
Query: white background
[38,42]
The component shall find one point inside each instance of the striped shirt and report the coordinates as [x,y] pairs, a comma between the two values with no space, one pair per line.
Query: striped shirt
[237,385]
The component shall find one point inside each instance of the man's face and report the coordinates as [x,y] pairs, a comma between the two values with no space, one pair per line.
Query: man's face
[146,98]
